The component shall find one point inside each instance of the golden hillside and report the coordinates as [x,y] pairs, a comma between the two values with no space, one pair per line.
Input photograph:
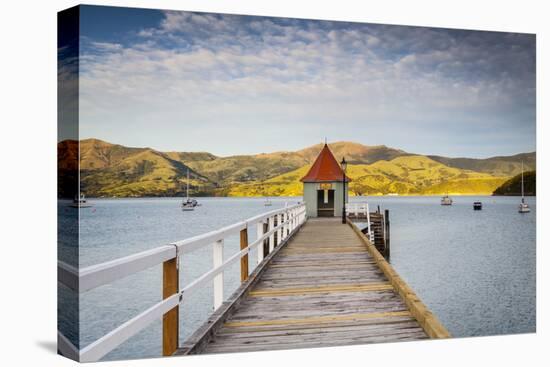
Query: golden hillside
[406,175]
[114,170]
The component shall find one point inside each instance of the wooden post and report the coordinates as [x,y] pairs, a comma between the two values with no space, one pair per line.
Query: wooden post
[266,241]
[387,224]
[260,233]
[218,280]
[170,320]
[244,259]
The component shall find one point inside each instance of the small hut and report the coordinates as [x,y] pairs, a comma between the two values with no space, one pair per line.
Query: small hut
[324,186]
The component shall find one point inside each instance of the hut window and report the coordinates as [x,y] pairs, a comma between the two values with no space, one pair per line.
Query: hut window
[326,196]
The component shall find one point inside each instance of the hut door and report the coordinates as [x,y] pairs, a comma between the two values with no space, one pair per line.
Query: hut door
[325,203]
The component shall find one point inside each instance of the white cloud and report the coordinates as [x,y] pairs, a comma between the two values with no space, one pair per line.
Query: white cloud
[228,69]
[107,46]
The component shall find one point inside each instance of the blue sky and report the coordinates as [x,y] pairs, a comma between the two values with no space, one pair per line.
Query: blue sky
[230,84]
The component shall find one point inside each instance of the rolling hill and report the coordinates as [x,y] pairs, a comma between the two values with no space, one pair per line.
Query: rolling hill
[512,187]
[116,171]
[496,166]
[404,175]
[112,170]
[260,167]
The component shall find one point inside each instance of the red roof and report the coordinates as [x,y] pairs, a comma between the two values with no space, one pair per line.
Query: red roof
[325,168]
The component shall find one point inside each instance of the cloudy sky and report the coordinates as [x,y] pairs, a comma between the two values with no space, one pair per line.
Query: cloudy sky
[238,84]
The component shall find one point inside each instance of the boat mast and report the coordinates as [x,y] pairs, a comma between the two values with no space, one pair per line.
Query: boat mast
[187,184]
[522,194]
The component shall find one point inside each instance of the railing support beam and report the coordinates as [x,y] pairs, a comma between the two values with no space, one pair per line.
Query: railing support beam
[218,280]
[244,259]
[272,236]
[170,320]
[260,233]
[280,230]
[285,226]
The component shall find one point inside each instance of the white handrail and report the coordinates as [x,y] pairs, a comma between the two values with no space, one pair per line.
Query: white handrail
[96,350]
[370,232]
[96,275]
[217,270]
[363,209]
[66,348]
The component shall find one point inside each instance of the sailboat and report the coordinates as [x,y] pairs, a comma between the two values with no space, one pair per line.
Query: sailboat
[446,200]
[523,207]
[80,202]
[188,204]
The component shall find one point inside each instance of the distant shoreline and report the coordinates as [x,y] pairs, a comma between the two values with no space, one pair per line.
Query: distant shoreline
[274,197]
[111,170]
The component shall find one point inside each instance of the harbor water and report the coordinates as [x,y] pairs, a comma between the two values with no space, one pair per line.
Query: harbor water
[476,270]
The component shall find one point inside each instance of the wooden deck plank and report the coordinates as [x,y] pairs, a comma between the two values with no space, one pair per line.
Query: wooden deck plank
[372,322]
[313,266]
[303,275]
[374,296]
[271,284]
[330,316]
[228,340]
[322,300]
[360,287]
[322,289]
[297,342]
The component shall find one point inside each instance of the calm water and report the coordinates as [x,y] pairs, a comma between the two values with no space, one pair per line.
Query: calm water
[474,269]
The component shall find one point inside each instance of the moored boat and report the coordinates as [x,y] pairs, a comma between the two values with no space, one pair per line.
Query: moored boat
[80,202]
[523,206]
[478,205]
[189,204]
[446,200]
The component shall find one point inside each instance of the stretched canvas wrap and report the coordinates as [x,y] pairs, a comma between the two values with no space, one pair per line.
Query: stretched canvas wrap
[232,183]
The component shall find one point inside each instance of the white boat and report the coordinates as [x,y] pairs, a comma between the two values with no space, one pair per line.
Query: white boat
[268,202]
[188,204]
[80,202]
[446,200]
[523,206]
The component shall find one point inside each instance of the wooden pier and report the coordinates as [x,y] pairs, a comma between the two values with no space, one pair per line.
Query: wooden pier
[318,283]
[324,288]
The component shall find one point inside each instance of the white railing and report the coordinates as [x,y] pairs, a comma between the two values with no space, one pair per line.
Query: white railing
[370,232]
[361,210]
[282,223]
[357,209]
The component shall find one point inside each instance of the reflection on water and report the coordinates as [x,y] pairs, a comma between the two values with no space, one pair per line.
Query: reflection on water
[474,269]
